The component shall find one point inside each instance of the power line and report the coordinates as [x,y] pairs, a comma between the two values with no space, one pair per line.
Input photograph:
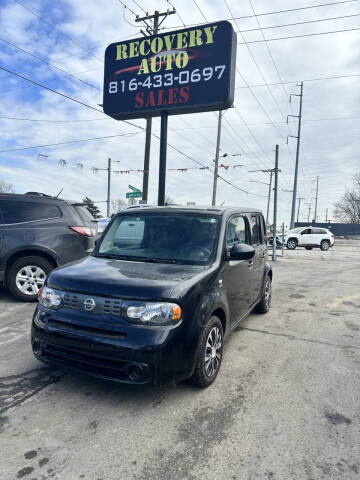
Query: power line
[300,36]
[288,10]
[298,23]
[49,64]
[335,77]
[66,143]
[63,95]
[197,6]
[54,121]
[55,28]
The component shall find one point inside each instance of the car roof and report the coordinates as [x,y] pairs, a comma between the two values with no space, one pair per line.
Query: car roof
[35,196]
[214,210]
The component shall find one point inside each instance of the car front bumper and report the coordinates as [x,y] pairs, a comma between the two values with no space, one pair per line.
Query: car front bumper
[129,354]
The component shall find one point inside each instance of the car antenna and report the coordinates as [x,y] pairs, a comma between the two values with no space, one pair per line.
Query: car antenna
[57,196]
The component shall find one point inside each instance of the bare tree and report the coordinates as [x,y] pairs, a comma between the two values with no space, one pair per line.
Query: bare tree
[117,205]
[6,187]
[347,209]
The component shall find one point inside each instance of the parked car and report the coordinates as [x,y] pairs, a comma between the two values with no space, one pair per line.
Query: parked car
[102,223]
[309,237]
[279,241]
[38,233]
[154,302]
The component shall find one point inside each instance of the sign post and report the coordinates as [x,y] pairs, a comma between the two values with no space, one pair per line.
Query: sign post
[184,71]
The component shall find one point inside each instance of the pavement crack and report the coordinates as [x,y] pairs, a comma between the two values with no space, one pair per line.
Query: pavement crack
[301,339]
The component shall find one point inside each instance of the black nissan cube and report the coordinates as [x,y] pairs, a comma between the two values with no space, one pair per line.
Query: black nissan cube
[154,302]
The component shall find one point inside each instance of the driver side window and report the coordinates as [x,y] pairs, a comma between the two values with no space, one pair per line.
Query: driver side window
[236,232]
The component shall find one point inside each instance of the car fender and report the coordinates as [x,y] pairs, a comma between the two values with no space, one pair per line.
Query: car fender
[31,249]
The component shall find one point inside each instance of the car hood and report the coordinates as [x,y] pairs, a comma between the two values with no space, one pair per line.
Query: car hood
[127,279]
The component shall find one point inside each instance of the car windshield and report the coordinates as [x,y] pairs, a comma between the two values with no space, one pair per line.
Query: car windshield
[161,237]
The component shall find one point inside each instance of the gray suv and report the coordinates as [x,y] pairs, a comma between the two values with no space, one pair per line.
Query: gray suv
[37,234]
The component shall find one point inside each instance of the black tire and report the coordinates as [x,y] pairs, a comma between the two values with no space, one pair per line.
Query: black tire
[309,248]
[324,245]
[200,377]
[291,244]
[265,302]
[36,278]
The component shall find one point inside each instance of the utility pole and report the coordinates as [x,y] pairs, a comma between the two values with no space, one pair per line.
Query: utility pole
[316,198]
[151,30]
[327,211]
[216,169]
[276,172]
[108,188]
[271,171]
[293,206]
[299,201]
[268,203]
[309,211]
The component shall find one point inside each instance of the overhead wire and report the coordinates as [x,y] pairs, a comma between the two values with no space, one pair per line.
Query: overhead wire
[49,64]
[67,143]
[55,28]
[301,36]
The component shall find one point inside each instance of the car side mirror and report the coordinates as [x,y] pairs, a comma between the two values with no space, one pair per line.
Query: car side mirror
[241,251]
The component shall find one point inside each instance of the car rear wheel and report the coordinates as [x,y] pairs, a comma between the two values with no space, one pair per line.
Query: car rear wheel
[26,276]
[264,305]
[325,245]
[309,248]
[292,243]
[209,354]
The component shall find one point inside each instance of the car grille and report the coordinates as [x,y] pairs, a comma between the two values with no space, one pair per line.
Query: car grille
[109,306]
[81,329]
[94,364]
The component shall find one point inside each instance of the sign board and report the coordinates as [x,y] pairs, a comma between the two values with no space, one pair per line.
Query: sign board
[134,189]
[134,195]
[183,71]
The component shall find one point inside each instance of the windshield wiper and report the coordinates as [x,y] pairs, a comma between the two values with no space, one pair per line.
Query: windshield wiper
[135,258]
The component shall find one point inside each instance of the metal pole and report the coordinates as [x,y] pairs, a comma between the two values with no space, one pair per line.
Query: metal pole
[276,170]
[297,217]
[216,159]
[108,187]
[309,213]
[316,199]
[293,206]
[268,204]
[283,238]
[145,188]
[162,164]
[327,210]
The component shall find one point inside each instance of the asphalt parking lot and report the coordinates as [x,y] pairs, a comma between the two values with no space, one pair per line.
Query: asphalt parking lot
[286,404]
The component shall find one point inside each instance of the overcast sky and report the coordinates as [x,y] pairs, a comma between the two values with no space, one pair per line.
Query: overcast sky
[330,130]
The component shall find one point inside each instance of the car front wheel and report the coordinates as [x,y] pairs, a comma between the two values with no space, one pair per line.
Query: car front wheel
[291,244]
[325,245]
[209,354]
[26,276]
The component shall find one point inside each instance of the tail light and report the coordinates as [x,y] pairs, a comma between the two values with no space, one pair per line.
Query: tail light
[86,231]
[333,236]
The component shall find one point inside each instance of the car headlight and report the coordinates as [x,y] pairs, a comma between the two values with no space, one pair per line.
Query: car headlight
[50,298]
[155,314]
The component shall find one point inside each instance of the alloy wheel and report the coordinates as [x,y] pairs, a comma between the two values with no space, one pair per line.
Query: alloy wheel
[213,352]
[268,293]
[30,279]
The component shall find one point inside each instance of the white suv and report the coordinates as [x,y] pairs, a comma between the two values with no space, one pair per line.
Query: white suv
[309,237]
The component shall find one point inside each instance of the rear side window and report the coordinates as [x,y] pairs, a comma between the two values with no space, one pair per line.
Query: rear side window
[256,233]
[19,211]
[319,231]
[82,213]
